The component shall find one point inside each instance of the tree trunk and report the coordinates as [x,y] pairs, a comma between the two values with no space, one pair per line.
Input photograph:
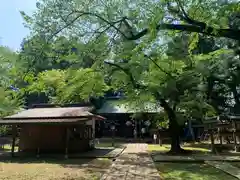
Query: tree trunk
[174,127]
[175,136]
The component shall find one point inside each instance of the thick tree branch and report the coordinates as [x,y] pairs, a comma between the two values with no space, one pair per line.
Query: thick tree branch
[184,16]
[64,27]
[228,33]
[140,86]
[127,72]
[170,112]
[159,67]
[192,26]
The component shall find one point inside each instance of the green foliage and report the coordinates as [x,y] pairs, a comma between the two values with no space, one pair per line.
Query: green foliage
[9,100]
[194,39]
[4,130]
[69,86]
[161,120]
[8,61]
[180,68]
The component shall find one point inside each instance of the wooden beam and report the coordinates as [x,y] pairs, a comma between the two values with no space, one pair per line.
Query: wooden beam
[14,133]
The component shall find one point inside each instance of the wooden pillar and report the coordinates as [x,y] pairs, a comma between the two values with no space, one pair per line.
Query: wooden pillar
[93,128]
[136,129]
[160,140]
[113,135]
[39,139]
[191,129]
[38,152]
[66,142]
[19,131]
[14,133]
[220,136]
[221,139]
[212,141]
[234,136]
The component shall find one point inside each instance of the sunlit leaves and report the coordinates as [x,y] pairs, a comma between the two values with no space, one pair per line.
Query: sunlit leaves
[213,55]
[70,85]
[179,63]
[194,38]
[9,100]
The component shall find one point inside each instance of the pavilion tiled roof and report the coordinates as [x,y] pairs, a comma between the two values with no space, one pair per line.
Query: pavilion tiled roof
[51,115]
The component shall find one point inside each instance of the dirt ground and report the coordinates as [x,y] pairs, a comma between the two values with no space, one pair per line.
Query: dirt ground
[71,169]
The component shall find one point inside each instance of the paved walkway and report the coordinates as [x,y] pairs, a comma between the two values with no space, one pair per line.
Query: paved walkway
[133,164]
[226,167]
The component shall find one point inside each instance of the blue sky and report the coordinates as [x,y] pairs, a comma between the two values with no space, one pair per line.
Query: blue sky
[12,30]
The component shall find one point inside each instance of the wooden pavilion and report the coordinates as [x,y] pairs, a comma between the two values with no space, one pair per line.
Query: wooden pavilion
[53,130]
[119,112]
[223,127]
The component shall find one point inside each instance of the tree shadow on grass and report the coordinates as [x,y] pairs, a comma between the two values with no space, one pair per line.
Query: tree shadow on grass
[224,149]
[96,166]
[55,168]
[56,158]
[193,171]
[188,153]
[198,145]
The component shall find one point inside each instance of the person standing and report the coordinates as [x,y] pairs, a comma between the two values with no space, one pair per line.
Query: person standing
[155,138]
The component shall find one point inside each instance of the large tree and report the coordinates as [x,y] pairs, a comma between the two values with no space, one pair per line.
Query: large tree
[142,17]
[136,36]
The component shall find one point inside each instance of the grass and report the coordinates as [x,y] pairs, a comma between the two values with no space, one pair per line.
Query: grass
[236,164]
[53,169]
[183,171]
[166,147]
[8,147]
[109,144]
[71,169]
[156,147]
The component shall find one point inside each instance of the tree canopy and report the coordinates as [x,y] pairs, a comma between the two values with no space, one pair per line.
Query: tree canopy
[183,55]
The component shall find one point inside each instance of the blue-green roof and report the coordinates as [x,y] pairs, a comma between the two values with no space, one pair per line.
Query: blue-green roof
[120,106]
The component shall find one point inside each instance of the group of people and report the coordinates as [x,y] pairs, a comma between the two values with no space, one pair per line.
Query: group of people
[143,133]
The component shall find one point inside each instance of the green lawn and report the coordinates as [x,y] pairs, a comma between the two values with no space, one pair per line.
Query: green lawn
[109,144]
[166,147]
[8,147]
[191,171]
[236,164]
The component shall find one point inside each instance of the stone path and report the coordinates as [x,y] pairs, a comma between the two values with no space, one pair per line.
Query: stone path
[133,164]
[100,153]
[226,167]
